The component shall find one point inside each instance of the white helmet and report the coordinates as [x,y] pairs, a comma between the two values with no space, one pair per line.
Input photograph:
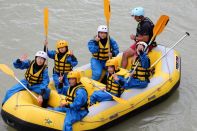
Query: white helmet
[138,11]
[41,54]
[142,43]
[102,28]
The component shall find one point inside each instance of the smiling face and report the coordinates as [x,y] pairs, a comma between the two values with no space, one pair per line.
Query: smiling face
[102,35]
[111,69]
[62,49]
[138,18]
[40,61]
[72,81]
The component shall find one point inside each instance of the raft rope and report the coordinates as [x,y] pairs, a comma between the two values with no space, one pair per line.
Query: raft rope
[170,75]
[101,120]
[17,97]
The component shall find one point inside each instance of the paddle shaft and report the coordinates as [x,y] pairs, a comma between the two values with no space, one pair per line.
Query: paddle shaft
[107,13]
[25,87]
[46,22]
[101,88]
[108,39]
[187,34]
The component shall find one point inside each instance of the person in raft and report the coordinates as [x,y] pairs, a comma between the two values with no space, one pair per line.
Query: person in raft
[64,61]
[112,86]
[140,77]
[102,49]
[144,32]
[116,81]
[75,107]
[36,77]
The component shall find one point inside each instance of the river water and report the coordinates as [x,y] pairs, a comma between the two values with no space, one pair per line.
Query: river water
[21,31]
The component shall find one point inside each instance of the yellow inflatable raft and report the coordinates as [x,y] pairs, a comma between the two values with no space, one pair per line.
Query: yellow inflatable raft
[22,112]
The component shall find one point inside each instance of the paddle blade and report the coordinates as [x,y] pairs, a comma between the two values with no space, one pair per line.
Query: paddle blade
[107,10]
[88,85]
[46,21]
[7,70]
[160,25]
[119,100]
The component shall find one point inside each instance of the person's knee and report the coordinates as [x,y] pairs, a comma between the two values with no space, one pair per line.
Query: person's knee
[93,98]
[96,75]
[144,85]
[128,53]
[94,61]
[125,54]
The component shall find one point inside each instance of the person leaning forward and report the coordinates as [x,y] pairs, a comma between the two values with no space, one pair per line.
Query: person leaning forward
[76,106]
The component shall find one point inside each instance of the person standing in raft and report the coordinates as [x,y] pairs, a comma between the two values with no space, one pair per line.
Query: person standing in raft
[64,61]
[36,77]
[102,49]
[144,32]
[76,107]
[112,86]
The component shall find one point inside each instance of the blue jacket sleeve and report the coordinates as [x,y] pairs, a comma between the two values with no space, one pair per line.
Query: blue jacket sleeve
[51,54]
[124,83]
[145,61]
[121,81]
[114,46]
[44,82]
[72,60]
[93,46]
[80,99]
[21,64]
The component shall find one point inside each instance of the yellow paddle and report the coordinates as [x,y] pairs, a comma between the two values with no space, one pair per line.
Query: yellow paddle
[107,13]
[46,22]
[119,100]
[10,72]
[158,28]
[160,25]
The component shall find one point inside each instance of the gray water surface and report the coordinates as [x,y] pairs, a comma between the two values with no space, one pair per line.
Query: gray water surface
[21,27]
